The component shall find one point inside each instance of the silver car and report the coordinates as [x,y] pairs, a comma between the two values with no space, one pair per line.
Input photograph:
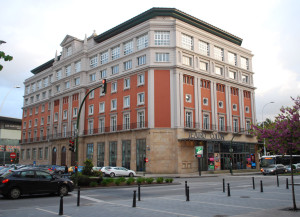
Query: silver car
[117,171]
[274,169]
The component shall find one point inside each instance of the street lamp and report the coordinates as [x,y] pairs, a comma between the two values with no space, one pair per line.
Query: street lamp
[7,95]
[265,152]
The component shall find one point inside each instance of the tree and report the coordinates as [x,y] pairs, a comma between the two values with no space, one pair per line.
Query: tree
[283,136]
[88,166]
[5,57]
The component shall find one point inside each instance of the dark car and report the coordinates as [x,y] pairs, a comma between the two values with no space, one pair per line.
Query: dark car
[33,181]
[274,169]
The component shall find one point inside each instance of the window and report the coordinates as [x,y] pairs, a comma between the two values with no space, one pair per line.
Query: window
[115,52]
[55,116]
[31,99]
[89,151]
[39,84]
[204,48]
[24,125]
[68,51]
[162,57]
[128,65]
[141,60]
[35,122]
[113,104]
[219,70]
[68,71]
[33,87]
[104,57]
[28,152]
[27,89]
[205,101]
[36,110]
[57,88]
[48,119]
[232,75]
[34,154]
[188,119]
[248,125]
[94,61]
[244,63]
[206,122]
[91,109]
[74,129]
[141,79]
[221,123]
[115,69]
[25,113]
[65,114]
[75,110]
[128,47]
[141,98]
[49,93]
[219,53]
[101,107]
[26,101]
[235,125]
[114,87]
[142,42]
[162,38]
[188,98]
[141,119]
[126,101]
[234,107]
[58,74]
[220,104]
[103,74]
[187,41]
[245,78]
[45,82]
[67,84]
[126,121]
[46,153]
[113,123]
[93,77]
[30,111]
[64,131]
[187,60]
[90,126]
[78,66]
[37,97]
[44,95]
[232,58]
[77,81]
[92,95]
[101,125]
[126,83]
[203,66]
[247,109]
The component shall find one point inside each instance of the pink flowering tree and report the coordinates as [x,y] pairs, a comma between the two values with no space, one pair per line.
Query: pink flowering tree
[283,136]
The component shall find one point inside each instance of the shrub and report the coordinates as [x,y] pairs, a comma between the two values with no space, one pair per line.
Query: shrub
[149,180]
[170,180]
[117,181]
[83,180]
[122,179]
[93,184]
[159,180]
[130,180]
[87,169]
[140,180]
[97,174]
[104,182]
[110,180]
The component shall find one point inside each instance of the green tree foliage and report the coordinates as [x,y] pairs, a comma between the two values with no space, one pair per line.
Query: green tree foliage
[5,57]
[88,166]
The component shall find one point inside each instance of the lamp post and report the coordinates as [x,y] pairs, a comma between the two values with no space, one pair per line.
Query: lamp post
[265,152]
[7,95]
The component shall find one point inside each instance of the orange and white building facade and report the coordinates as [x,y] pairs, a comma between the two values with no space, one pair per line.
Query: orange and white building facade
[173,82]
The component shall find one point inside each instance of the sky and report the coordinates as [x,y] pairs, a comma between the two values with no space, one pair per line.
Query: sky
[33,31]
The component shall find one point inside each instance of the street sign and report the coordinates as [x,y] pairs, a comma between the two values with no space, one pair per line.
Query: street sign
[13,155]
[199,151]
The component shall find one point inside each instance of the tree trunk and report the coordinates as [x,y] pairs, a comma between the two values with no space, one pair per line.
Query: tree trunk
[292,177]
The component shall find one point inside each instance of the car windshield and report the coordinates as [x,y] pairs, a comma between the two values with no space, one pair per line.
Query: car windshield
[6,174]
[271,166]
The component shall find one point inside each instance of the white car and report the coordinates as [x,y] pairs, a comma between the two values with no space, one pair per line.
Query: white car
[117,171]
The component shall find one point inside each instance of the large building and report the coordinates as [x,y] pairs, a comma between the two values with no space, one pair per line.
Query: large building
[174,83]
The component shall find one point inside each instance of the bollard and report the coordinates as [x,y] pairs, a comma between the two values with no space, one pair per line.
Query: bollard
[287,183]
[253,183]
[223,185]
[61,205]
[78,196]
[228,189]
[277,181]
[261,186]
[187,193]
[134,199]
[139,192]
[185,188]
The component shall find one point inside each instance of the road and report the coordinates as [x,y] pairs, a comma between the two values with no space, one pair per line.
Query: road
[206,199]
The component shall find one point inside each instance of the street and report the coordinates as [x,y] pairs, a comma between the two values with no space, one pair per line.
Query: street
[206,199]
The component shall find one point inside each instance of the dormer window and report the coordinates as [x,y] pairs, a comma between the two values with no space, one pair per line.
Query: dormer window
[69,51]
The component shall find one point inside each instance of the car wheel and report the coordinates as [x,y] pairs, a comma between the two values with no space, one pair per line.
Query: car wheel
[59,172]
[131,175]
[112,175]
[14,193]
[63,190]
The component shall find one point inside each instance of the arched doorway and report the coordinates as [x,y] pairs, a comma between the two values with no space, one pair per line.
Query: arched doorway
[54,156]
[63,156]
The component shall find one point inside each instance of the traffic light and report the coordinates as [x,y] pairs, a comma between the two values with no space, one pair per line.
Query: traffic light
[104,86]
[4,148]
[71,145]
[76,169]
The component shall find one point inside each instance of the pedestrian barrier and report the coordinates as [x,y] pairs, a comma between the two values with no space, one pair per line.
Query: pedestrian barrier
[261,186]
[134,199]
[253,183]
[188,193]
[78,196]
[228,190]
[277,181]
[287,183]
[223,185]
[61,205]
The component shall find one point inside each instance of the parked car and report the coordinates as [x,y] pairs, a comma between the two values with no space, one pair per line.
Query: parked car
[33,181]
[72,169]
[59,169]
[274,169]
[5,170]
[296,168]
[117,171]
[96,169]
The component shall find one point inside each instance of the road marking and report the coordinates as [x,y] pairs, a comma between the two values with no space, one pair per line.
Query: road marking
[50,212]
